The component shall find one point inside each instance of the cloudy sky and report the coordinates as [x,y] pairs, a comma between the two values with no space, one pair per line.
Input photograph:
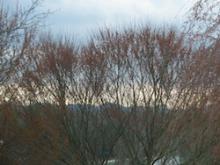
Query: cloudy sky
[84,16]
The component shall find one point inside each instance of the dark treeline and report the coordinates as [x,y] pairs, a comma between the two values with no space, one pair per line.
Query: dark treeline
[129,97]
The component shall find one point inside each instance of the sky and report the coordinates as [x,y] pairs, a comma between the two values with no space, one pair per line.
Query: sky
[82,17]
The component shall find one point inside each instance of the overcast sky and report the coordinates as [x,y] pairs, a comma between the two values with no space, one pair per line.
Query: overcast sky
[84,16]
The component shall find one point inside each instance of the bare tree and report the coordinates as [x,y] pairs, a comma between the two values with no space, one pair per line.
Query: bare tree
[203,22]
[16,34]
[203,65]
[143,72]
[52,68]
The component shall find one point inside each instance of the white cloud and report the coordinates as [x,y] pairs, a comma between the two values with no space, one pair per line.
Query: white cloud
[83,15]
[120,9]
